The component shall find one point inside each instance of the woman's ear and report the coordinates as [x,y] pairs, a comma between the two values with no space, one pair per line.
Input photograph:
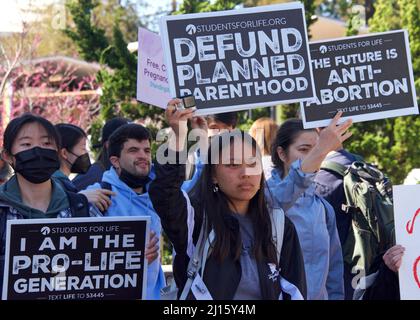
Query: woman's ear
[282,154]
[7,157]
[63,153]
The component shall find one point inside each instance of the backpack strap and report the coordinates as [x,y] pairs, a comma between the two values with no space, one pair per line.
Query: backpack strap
[334,167]
[195,262]
[277,223]
[79,205]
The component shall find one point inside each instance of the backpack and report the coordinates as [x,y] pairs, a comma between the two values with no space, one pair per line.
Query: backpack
[368,198]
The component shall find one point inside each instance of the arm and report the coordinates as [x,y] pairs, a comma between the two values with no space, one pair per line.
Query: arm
[335,283]
[330,138]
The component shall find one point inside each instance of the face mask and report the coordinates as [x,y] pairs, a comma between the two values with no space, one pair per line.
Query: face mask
[133,181]
[37,164]
[81,165]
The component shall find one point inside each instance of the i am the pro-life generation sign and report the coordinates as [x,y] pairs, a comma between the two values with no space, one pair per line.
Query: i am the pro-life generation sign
[76,259]
[366,77]
[239,59]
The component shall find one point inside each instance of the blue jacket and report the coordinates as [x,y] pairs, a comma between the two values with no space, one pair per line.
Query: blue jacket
[128,203]
[315,223]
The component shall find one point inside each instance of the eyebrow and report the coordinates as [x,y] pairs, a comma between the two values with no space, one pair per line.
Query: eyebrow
[305,145]
[29,137]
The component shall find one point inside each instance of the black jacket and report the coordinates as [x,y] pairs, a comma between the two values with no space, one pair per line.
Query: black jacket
[385,285]
[222,279]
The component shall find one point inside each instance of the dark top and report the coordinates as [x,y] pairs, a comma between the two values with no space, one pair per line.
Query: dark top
[221,278]
[94,175]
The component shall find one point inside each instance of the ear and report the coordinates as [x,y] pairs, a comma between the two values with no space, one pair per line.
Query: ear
[63,153]
[115,161]
[7,157]
[282,154]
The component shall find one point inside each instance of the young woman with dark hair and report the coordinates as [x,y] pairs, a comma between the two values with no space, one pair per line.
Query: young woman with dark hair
[229,205]
[74,158]
[297,154]
[31,146]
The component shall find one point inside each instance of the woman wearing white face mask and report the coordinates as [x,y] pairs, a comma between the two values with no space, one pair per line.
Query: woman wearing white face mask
[30,148]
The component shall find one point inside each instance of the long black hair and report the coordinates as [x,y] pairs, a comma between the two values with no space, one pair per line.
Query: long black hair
[215,205]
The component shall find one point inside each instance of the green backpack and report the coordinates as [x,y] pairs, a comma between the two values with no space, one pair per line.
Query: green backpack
[368,195]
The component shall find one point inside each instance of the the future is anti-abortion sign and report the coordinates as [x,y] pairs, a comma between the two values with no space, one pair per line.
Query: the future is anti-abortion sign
[75,259]
[239,59]
[366,77]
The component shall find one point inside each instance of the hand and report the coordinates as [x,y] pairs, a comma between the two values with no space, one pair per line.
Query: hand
[393,257]
[330,138]
[99,197]
[333,136]
[177,119]
[152,249]
[199,123]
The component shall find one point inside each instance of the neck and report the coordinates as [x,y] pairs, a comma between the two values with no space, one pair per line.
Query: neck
[66,170]
[138,190]
[37,196]
[239,207]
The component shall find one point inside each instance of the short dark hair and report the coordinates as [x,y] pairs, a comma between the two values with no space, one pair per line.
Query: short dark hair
[228,118]
[122,134]
[70,135]
[286,135]
[16,125]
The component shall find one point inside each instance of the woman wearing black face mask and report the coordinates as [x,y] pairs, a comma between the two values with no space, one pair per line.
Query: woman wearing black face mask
[73,154]
[30,148]
[74,158]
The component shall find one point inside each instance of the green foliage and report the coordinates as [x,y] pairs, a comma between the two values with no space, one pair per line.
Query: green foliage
[393,143]
[118,77]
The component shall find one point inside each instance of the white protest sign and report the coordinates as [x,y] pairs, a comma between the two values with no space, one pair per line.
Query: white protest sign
[152,78]
[99,258]
[367,77]
[407,232]
[239,59]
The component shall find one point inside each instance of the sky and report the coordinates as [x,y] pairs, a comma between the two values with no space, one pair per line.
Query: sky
[13,12]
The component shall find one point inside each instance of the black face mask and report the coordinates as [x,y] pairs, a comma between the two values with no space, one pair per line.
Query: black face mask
[133,181]
[37,164]
[81,165]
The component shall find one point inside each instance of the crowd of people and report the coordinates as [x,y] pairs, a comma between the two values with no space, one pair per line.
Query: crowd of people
[256,209]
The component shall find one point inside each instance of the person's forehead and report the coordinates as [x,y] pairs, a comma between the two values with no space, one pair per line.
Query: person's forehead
[306,137]
[31,130]
[219,124]
[136,143]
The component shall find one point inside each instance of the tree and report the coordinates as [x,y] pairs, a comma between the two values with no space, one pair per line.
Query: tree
[118,77]
[393,143]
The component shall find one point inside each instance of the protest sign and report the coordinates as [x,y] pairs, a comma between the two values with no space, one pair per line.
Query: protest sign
[76,259]
[407,232]
[367,77]
[152,79]
[239,59]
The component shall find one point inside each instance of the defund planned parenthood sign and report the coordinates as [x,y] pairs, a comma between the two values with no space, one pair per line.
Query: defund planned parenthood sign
[239,59]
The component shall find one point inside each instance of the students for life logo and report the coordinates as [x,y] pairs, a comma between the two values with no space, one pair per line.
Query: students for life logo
[45,231]
[323,49]
[191,29]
